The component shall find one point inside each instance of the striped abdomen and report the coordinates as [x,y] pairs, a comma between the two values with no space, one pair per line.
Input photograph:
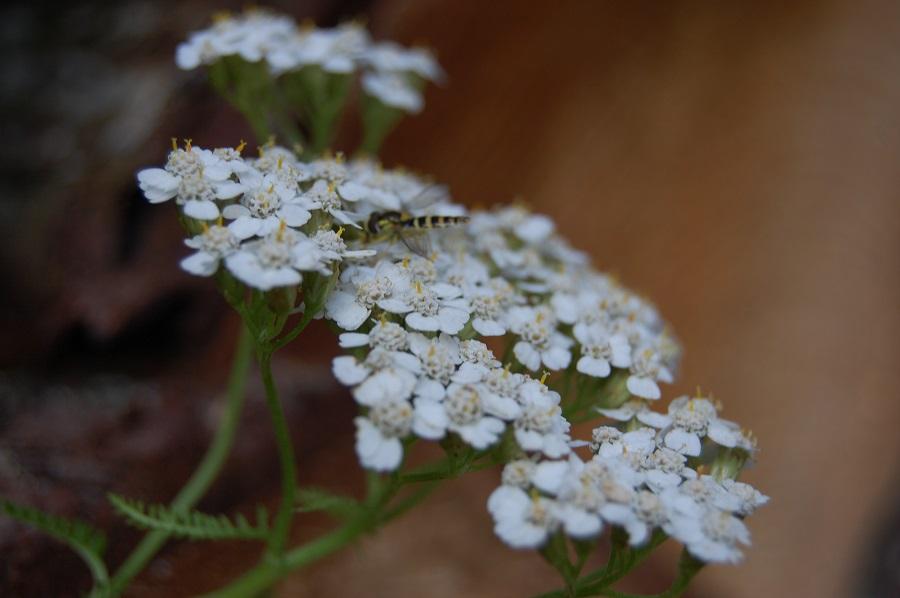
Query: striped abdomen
[433,221]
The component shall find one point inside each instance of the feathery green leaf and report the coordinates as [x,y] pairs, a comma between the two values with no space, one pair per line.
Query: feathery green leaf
[84,539]
[191,524]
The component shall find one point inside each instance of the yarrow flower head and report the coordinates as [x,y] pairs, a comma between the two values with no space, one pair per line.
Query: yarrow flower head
[483,331]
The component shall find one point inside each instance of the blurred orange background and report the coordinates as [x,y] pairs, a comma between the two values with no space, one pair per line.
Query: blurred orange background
[736,162]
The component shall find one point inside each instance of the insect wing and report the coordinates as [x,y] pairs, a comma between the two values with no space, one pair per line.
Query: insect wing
[417,241]
[427,196]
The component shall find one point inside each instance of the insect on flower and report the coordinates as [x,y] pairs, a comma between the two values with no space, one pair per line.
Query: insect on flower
[411,230]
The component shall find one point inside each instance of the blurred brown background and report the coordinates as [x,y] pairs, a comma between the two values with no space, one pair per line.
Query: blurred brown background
[737,162]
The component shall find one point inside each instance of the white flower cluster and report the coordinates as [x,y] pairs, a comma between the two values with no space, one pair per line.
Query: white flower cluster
[280,211]
[390,72]
[638,479]
[418,367]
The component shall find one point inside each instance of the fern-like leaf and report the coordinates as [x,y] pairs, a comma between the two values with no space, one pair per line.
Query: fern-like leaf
[88,542]
[193,525]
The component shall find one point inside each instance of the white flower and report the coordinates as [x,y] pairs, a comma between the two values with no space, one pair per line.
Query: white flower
[637,408]
[579,496]
[349,371]
[213,244]
[323,249]
[666,468]
[267,263]
[192,176]
[439,357]
[323,195]
[644,512]
[518,473]
[645,371]
[394,90]
[695,418]
[385,335]
[478,353]
[541,427]
[487,312]
[249,36]
[520,520]
[599,350]
[435,308]
[608,441]
[712,536]
[364,288]
[748,498]
[540,342]
[463,411]
[388,56]
[390,383]
[265,203]
[378,435]
[336,50]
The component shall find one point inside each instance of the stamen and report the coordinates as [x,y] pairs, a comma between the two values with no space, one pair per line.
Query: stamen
[240,147]
[204,226]
[405,263]
[280,162]
[174,143]
[544,376]
[339,157]
[219,220]
[271,188]
[340,231]
[187,144]
[418,286]
[280,234]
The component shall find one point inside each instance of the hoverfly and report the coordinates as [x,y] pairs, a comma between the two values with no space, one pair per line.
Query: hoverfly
[411,230]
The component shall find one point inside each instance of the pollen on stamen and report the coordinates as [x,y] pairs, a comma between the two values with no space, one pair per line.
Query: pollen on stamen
[174,143]
[187,144]
[240,147]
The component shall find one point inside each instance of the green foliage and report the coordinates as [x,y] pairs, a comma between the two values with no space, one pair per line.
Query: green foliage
[191,524]
[317,499]
[84,539]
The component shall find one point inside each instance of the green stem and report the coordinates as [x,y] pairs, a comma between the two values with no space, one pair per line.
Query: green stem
[282,524]
[379,511]
[266,574]
[206,472]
